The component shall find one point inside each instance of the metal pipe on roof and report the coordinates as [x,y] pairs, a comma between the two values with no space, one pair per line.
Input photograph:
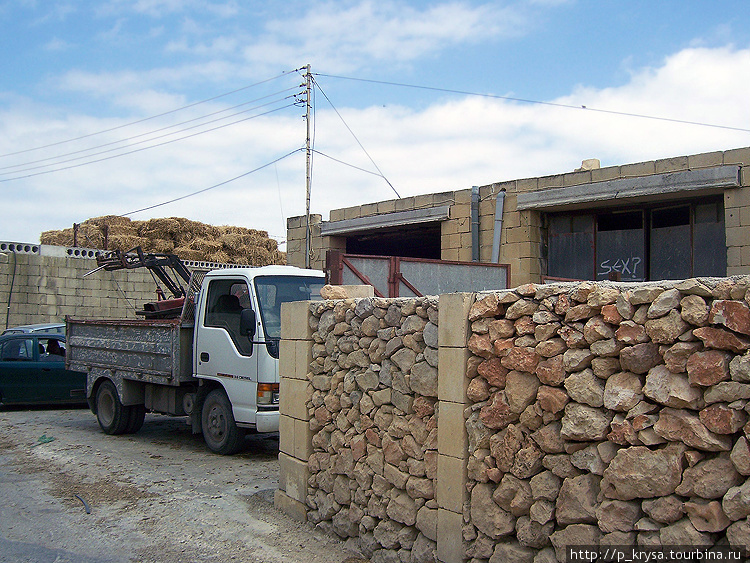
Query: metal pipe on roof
[475,224]
[498,228]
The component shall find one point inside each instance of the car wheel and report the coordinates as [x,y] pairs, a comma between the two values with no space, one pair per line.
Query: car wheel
[136,417]
[220,431]
[112,415]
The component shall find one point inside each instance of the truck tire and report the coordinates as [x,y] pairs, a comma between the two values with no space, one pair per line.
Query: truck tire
[136,416]
[220,431]
[112,415]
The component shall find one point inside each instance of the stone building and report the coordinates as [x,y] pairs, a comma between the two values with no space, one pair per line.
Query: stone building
[673,218]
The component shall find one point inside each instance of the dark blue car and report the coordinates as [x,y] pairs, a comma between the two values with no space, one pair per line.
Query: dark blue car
[32,371]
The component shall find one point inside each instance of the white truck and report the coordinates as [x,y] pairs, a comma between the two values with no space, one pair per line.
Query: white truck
[218,366]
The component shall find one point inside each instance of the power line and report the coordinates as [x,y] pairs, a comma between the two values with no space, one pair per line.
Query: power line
[154,131]
[328,156]
[537,102]
[214,186]
[146,141]
[151,117]
[356,139]
[143,148]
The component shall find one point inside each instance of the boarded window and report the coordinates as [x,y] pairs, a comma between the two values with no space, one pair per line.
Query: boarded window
[648,243]
[671,246]
[620,246]
[571,235]
[709,240]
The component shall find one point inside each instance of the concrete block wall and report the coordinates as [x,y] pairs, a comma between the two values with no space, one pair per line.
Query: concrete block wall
[522,230]
[296,231]
[295,435]
[42,284]
[48,283]
[452,437]
[737,214]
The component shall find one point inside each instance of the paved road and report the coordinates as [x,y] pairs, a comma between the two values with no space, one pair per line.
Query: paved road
[73,494]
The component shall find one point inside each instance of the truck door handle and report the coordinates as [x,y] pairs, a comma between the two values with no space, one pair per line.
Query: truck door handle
[204,356]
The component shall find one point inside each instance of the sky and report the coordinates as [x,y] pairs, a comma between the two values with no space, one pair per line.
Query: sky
[196,108]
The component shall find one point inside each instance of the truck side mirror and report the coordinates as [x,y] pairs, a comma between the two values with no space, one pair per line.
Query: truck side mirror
[247,323]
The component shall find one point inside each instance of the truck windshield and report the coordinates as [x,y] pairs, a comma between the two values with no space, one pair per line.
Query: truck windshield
[272,291]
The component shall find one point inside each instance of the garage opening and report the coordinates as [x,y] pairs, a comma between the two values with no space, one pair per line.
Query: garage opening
[411,241]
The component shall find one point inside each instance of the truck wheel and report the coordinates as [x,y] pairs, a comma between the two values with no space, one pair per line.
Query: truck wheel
[219,429]
[112,415]
[136,417]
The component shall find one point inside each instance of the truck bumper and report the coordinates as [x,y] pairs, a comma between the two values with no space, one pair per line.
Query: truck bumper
[267,421]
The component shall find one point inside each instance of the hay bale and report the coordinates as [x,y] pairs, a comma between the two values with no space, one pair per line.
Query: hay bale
[161,245]
[126,242]
[166,229]
[57,238]
[185,253]
[193,230]
[113,221]
[206,246]
[190,240]
[220,257]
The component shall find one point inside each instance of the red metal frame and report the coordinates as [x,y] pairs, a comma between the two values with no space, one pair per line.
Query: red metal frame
[336,260]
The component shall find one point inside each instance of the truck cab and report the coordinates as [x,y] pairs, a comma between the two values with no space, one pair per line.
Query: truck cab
[236,343]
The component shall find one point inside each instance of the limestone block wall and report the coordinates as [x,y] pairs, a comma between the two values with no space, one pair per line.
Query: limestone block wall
[608,415]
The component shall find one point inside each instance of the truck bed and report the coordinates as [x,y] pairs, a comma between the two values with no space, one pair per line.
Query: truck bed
[152,351]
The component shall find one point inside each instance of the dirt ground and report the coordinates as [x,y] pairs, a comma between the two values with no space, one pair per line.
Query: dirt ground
[72,494]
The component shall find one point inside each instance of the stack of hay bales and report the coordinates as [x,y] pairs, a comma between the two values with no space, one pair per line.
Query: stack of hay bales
[190,240]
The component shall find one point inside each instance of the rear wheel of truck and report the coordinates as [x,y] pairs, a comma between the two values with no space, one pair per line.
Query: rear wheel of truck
[112,415]
[219,429]
[136,416]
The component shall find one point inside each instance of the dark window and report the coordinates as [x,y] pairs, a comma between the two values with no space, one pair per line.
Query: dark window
[226,300]
[51,350]
[620,246]
[671,246]
[571,235]
[411,241]
[18,350]
[709,240]
[649,243]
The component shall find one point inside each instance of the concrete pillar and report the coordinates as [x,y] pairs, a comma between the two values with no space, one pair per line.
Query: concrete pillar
[452,437]
[295,437]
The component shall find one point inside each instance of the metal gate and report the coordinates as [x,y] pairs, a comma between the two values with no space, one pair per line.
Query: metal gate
[394,276]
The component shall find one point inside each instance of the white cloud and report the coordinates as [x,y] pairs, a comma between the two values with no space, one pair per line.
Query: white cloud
[342,38]
[449,145]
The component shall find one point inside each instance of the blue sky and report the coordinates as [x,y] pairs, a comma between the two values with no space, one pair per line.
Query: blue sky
[96,71]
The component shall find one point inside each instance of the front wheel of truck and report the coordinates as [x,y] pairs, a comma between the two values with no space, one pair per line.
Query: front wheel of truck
[220,432]
[113,417]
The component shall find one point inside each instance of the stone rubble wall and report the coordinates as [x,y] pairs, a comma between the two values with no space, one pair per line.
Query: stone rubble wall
[573,413]
[607,415]
[374,425]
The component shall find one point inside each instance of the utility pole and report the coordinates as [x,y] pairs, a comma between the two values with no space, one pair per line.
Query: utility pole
[308,173]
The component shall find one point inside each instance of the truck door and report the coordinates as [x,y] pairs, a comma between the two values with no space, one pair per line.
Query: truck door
[222,353]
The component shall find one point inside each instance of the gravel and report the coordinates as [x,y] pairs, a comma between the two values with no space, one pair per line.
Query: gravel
[71,493]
